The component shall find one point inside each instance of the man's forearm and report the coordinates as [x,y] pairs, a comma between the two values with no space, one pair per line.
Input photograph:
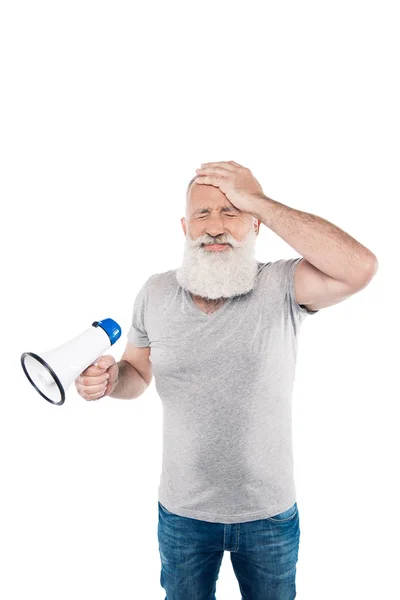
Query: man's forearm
[319,241]
[130,384]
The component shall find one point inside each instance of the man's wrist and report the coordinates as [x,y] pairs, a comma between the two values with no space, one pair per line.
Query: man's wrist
[266,209]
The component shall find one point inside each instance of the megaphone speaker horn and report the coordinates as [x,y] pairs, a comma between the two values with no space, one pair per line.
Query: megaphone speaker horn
[51,373]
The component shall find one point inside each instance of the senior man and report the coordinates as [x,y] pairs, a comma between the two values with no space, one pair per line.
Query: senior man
[220,335]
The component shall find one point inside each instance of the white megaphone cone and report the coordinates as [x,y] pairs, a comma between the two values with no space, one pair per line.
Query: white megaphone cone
[51,373]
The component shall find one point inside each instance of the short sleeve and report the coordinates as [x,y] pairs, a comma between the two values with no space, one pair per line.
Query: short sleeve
[137,334]
[289,267]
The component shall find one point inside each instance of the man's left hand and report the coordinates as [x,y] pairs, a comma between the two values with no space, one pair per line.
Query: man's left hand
[237,183]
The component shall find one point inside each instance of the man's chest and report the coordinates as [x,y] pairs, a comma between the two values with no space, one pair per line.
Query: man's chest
[183,345]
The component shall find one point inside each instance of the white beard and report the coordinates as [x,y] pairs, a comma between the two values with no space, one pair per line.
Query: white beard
[216,274]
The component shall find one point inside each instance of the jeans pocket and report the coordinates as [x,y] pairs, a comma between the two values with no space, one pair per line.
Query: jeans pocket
[286,515]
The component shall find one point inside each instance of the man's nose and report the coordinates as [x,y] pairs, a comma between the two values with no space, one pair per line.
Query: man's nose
[215,231]
[215,226]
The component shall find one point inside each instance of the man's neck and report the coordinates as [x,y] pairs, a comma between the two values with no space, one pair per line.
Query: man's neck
[206,305]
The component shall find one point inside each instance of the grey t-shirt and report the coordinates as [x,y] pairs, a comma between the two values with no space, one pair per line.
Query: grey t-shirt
[225,381]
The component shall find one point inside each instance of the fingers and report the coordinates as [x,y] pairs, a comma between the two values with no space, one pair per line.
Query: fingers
[93,371]
[87,380]
[105,362]
[216,171]
[100,367]
[96,396]
[92,388]
[214,180]
[98,380]
[229,165]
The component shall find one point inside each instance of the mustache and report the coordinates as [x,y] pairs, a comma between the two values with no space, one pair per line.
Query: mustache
[223,238]
[214,242]
[203,241]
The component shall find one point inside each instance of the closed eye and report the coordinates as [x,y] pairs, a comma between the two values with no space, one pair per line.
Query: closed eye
[202,216]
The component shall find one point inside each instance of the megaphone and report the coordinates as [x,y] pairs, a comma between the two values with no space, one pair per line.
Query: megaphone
[51,373]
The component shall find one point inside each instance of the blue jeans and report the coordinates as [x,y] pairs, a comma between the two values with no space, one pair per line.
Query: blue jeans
[263,553]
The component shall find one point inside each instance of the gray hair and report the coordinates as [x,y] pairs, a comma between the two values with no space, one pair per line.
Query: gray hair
[187,194]
[189,184]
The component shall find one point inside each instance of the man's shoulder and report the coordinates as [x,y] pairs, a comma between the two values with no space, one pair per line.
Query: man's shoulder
[279,265]
[162,281]
[263,267]
[277,272]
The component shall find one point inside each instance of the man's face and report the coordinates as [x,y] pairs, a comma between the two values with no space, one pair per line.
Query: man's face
[210,214]
[220,243]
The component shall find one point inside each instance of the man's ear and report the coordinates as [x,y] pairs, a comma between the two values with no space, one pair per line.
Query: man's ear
[183,223]
[256,225]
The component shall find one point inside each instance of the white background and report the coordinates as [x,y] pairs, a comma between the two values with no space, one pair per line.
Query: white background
[107,110]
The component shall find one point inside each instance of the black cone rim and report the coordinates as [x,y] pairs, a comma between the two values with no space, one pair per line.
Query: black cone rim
[50,370]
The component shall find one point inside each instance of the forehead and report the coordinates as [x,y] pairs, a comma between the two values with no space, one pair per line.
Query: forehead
[206,196]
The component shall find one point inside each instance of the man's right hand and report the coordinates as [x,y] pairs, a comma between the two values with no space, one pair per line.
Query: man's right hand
[98,381]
